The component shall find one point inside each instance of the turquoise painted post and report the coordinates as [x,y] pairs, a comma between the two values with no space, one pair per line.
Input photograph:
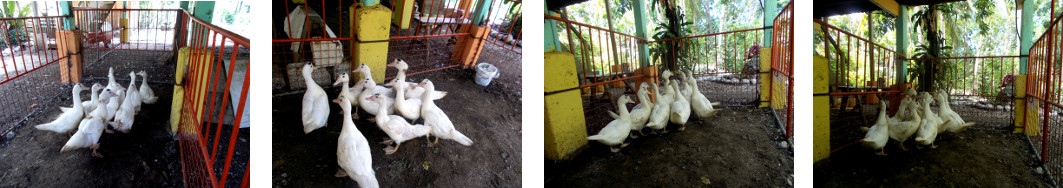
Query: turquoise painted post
[550,35]
[901,27]
[481,12]
[1026,34]
[64,9]
[204,10]
[770,11]
[184,5]
[640,31]
[370,2]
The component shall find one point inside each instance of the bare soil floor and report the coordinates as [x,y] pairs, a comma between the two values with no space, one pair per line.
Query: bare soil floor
[490,117]
[740,147]
[146,156]
[978,157]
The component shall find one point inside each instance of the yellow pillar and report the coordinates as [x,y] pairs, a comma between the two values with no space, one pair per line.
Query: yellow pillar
[185,62]
[371,29]
[765,76]
[820,109]
[1020,103]
[403,13]
[566,130]
[125,33]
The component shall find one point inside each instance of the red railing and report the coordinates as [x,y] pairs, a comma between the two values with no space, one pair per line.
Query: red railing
[725,63]
[861,73]
[978,87]
[216,84]
[782,66]
[1043,107]
[28,54]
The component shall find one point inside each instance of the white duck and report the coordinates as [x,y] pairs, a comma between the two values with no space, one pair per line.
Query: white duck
[616,131]
[93,100]
[372,106]
[902,111]
[397,129]
[955,122]
[134,92]
[90,129]
[147,96]
[113,103]
[661,108]
[368,74]
[408,108]
[878,135]
[113,85]
[352,150]
[931,125]
[67,120]
[687,90]
[701,105]
[349,92]
[434,117]
[315,102]
[126,114]
[904,129]
[640,114]
[680,112]
[402,67]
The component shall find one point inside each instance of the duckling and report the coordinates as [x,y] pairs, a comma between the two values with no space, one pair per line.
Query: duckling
[616,131]
[352,150]
[315,102]
[68,120]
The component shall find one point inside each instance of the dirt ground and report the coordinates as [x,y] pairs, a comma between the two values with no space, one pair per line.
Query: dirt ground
[973,158]
[741,147]
[489,116]
[147,156]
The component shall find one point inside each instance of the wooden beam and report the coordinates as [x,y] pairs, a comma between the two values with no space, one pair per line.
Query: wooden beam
[889,6]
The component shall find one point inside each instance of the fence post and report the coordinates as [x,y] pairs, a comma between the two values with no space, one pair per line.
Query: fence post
[566,128]
[770,11]
[370,42]
[820,109]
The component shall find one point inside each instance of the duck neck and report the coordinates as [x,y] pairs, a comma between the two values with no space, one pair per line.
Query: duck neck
[622,108]
[426,98]
[643,97]
[348,123]
[144,81]
[94,97]
[77,99]
[309,79]
[400,91]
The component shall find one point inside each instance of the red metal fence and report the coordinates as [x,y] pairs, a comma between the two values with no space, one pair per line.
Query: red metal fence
[782,66]
[1043,107]
[861,73]
[436,33]
[979,89]
[215,100]
[28,53]
[107,31]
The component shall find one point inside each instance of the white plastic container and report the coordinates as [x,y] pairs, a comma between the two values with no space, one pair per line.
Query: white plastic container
[485,72]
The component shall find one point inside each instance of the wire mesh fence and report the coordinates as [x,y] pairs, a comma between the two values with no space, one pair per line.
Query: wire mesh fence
[782,68]
[29,53]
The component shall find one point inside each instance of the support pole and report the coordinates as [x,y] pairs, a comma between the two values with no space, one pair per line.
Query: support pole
[770,11]
[64,9]
[550,38]
[1026,42]
[640,31]
[901,28]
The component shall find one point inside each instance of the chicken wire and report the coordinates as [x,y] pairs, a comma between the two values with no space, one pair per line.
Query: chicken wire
[30,78]
[143,30]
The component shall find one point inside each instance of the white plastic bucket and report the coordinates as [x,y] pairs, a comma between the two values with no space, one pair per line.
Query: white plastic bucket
[485,72]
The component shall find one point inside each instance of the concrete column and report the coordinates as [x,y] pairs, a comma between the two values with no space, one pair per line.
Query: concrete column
[820,109]
[901,28]
[566,129]
[1026,42]
[371,44]
[640,31]
[64,9]
[1026,33]
[481,12]
[770,11]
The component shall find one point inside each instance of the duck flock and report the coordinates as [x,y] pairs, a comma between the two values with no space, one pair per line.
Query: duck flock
[674,104]
[407,99]
[113,108]
[914,118]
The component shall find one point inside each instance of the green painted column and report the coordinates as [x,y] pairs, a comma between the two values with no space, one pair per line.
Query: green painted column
[370,2]
[901,27]
[204,10]
[770,11]
[1026,34]
[64,10]
[640,31]
[184,5]
[550,32]
[481,12]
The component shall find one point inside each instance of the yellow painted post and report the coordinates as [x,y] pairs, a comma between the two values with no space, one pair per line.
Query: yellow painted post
[403,13]
[179,91]
[566,130]
[1020,103]
[371,29]
[125,33]
[765,76]
[820,109]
